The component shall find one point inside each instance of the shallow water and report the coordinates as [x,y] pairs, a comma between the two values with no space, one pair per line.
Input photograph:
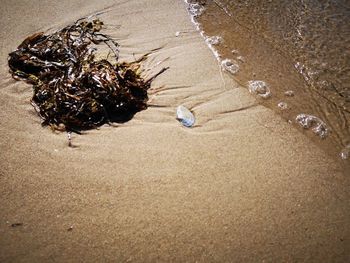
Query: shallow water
[300,49]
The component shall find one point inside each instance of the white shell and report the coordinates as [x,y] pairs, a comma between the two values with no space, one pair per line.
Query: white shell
[185,116]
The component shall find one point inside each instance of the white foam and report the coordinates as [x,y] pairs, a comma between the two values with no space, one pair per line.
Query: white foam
[282,105]
[214,40]
[259,88]
[289,93]
[230,66]
[314,123]
[345,153]
[241,59]
[194,11]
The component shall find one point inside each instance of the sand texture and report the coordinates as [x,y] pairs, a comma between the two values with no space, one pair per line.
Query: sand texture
[241,186]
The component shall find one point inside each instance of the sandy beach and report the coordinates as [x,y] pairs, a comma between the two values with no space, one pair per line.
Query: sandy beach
[242,185]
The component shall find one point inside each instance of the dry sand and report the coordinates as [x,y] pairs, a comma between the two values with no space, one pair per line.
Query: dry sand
[241,186]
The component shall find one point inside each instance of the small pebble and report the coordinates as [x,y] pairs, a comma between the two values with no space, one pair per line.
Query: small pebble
[16,224]
[69,136]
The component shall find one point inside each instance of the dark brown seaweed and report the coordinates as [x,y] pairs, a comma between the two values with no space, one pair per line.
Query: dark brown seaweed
[73,90]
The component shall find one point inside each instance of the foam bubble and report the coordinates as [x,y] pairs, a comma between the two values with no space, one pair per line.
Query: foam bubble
[195,9]
[314,123]
[241,59]
[230,66]
[282,105]
[214,40]
[289,93]
[259,88]
[345,153]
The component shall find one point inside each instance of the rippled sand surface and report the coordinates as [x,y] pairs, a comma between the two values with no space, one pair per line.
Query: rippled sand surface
[241,184]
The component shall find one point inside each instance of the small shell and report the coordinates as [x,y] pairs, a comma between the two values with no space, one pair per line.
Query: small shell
[185,116]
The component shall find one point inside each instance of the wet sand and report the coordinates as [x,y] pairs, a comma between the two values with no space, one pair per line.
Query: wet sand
[292,46]
[242,185]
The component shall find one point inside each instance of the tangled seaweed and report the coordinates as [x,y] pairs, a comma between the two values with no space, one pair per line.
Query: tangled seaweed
[73,90]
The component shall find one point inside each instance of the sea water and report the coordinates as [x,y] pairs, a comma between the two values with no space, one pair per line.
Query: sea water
[295,55]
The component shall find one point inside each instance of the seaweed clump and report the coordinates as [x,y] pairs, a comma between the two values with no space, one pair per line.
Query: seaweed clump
[73,90]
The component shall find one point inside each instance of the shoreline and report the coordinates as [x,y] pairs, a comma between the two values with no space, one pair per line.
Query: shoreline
[241,185]
[258,58]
